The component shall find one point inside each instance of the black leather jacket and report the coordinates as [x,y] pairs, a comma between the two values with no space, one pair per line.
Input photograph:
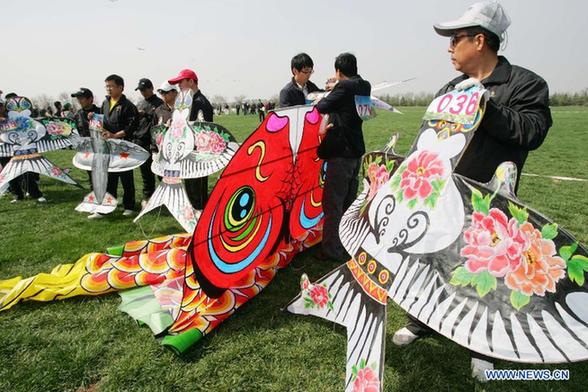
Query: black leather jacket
[81,119]
[122,117]
[516,121]
[345,139]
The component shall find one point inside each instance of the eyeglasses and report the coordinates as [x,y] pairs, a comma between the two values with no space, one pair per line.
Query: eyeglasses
[308,72]
[454,40]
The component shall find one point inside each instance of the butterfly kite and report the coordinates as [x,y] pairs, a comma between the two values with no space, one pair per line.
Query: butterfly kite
[469,260]
[25,139]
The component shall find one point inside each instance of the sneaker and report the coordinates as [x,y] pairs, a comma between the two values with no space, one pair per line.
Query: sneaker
[128,212]
[15,201]
[404,337]
[96,215]
[479,367]
[42,199]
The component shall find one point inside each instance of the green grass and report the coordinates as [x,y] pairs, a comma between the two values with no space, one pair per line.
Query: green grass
[85,343]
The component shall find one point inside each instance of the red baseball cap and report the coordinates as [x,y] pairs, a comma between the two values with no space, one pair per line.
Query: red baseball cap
[184,74]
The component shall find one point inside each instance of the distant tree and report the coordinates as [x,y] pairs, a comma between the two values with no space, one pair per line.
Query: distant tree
[239,99]
[218,100]
[42,101]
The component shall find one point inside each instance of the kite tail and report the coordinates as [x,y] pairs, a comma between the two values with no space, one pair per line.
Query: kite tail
[33,163]
[347,298]
[172,194]
[180,313]
[137,263]
[91,204]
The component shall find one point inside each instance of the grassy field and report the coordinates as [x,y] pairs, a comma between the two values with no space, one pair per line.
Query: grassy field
[84,344]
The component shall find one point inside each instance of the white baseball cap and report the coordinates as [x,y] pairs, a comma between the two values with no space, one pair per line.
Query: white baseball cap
[166,87]
[487,14]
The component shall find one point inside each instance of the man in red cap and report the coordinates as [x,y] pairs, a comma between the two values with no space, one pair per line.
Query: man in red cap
[201,110]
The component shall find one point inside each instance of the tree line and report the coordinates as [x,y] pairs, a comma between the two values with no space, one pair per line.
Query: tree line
[423,99]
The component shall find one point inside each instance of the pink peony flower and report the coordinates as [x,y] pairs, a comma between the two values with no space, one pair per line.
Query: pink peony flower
[366,381]
[540,268]
[420,171]
[319,295]
[203,142]
[188,213]
[378,176]
[494,244]
[56,171]
[54,129]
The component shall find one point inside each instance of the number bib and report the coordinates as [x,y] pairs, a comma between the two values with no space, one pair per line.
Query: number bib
[365,107]
[456,106]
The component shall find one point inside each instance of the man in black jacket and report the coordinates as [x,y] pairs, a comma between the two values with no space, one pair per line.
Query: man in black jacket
[342,148]
[142,136]
[294,93]
[120,122]
[201,110]
[517,114]
[85,98]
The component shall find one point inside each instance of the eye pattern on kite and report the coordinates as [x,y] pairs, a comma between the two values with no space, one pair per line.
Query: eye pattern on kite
[243,220]
[239,210]
[274,174]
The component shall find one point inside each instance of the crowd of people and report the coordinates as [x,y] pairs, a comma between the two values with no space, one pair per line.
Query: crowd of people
[516,121]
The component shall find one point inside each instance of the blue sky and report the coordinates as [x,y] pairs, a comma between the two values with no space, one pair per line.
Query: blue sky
[244,47]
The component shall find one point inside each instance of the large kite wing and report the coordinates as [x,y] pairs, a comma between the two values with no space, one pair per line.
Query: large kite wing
[60,133]
[512,284]
[245,214]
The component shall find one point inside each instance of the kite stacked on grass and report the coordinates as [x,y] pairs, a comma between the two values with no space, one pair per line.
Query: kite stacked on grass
[265,208]
[25,139]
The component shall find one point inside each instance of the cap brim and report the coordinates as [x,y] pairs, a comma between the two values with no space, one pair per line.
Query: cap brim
[176,80]
[447,29]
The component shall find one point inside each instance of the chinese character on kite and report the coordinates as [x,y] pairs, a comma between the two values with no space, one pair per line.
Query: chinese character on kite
[265,208]
[25,139]
[186,150]
[469,260]
[102,156]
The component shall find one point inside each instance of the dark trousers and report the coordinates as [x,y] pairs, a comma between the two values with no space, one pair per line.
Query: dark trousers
[148,178]
[128,184]
[30,181]
[339,192]
[197,190]
[421,329]
[90,179]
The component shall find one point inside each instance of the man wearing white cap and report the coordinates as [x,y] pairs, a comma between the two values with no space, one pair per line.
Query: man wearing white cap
[517,114]
[163,113]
